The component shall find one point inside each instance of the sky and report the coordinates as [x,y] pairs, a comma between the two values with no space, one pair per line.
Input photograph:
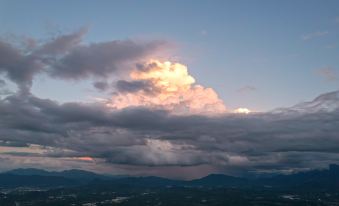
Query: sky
[227,45]
[155,87]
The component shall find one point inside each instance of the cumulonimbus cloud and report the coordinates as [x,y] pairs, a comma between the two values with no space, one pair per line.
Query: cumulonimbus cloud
[168,86]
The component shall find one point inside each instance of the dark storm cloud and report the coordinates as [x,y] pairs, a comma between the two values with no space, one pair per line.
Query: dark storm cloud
[144,137]
[66,57]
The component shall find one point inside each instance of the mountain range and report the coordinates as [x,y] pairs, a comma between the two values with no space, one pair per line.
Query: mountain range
[326,179]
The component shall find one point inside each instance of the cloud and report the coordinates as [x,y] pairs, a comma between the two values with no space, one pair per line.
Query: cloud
[3,88]
[2,83]
[124,86]
[61,44]
[168,86]
[18,67]
[100,59]
[246,89]
[67,57]
[100,85]
[313,35]
[328,73]
[144,137]
[158,118]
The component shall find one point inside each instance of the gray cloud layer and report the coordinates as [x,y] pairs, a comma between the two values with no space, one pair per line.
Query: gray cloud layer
[66,57]
[139,136]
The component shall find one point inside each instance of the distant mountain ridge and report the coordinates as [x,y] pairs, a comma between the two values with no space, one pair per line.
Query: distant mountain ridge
[31,177]
[14,181]
[72,174]
[327,179]
[319,179]
[220,180]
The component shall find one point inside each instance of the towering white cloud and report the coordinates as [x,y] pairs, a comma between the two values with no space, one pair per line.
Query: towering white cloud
[168,86]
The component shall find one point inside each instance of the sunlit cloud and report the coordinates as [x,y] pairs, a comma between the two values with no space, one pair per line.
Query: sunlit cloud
[88,159]
[168,86]
[242,111]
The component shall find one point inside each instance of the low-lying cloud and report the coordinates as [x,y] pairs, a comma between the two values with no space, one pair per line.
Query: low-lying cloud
[146,137]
